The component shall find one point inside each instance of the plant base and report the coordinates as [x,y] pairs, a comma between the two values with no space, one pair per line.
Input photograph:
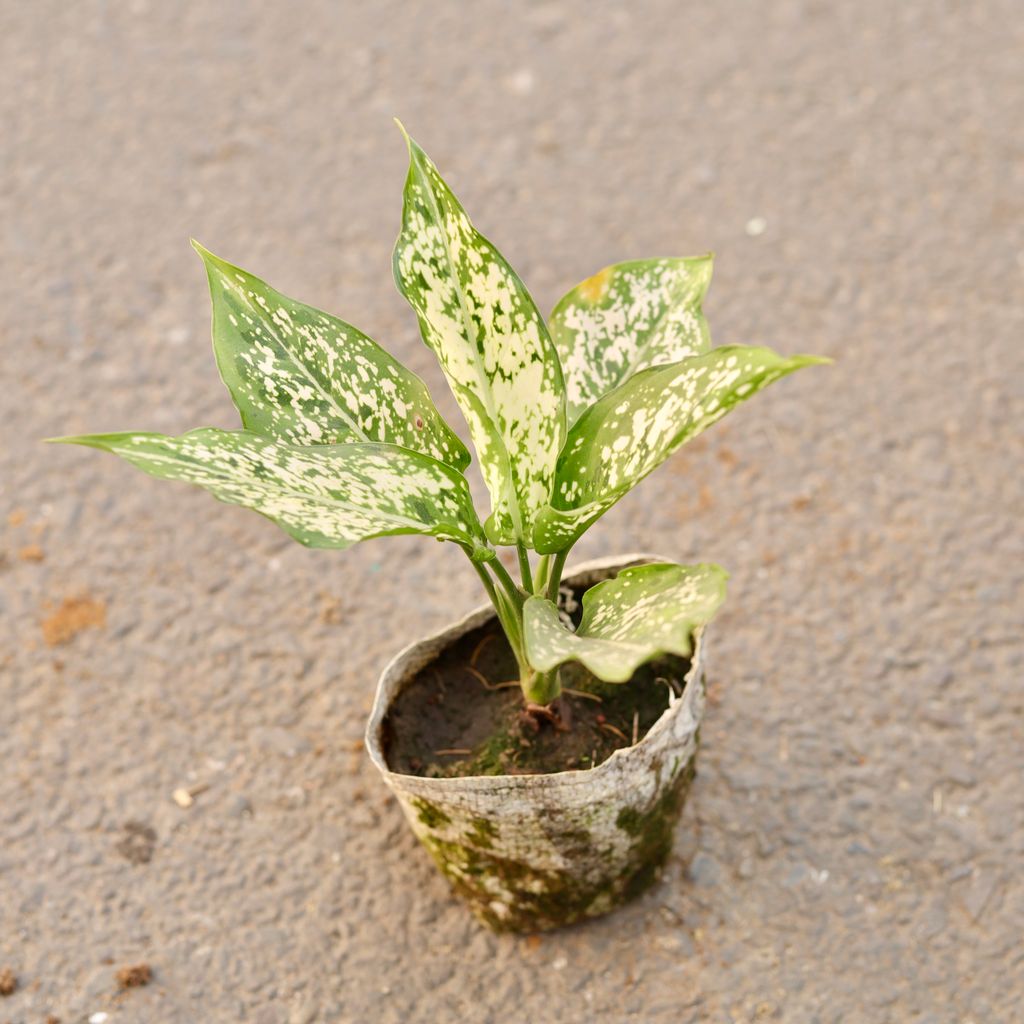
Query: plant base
[535,852]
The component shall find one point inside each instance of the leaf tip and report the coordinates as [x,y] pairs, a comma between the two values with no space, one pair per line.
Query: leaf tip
[205,255]
[405,134]
[89,440]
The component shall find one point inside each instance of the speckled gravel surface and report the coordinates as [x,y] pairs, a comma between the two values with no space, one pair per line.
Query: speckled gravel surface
[854,845]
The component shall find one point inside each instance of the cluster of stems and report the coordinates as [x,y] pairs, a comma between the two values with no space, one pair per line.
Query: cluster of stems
[508,598]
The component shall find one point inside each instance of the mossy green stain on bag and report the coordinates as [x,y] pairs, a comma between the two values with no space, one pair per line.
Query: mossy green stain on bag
[532,898]
[483,833]
[430,814]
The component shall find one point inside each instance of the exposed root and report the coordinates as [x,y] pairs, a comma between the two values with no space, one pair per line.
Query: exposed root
[479,647]
[564,710]
[583,694]
[486,683]
[608,727]
[556,713]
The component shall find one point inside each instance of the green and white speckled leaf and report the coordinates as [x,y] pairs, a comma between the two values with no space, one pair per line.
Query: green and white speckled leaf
[626,318]
[633,429]
[644,612]
[480,321]
[305,377]
[325,496]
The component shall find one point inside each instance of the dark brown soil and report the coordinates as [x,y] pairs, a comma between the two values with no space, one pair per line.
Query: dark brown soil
[8,982]
[138,842]
[134,976]
[464,714]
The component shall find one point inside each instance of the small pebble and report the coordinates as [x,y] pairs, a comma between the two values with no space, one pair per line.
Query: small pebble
[295,796]
[704,870]
[521,82]
[756,226]
[182,797]
[135,976]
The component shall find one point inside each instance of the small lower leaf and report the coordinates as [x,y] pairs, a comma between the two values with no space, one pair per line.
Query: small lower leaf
[645,611]
[325,496]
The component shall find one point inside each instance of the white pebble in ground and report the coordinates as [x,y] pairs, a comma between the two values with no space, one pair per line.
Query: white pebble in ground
[756,226]
[521,82]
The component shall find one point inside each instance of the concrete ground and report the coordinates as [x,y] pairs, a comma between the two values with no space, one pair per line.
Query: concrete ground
[853,849]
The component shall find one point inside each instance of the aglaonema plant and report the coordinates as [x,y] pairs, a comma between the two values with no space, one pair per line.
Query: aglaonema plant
[341,443]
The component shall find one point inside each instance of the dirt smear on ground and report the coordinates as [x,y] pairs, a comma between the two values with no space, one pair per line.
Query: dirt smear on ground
[74,614]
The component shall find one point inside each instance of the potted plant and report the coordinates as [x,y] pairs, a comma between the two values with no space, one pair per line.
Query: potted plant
[542,747]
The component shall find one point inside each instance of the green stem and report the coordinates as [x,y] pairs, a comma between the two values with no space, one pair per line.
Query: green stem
[508,600]
[487,582]
[513,591]
[509,615]
[542,575]
[556,575]
[524,566]
[542,687]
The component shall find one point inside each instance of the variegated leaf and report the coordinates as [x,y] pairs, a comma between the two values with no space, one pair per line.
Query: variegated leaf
[480,321]
[634,428]
[325,496]
[306,377]
[644,612]
[626,318]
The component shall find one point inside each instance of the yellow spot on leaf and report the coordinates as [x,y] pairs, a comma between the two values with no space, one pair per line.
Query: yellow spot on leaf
[594,288]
